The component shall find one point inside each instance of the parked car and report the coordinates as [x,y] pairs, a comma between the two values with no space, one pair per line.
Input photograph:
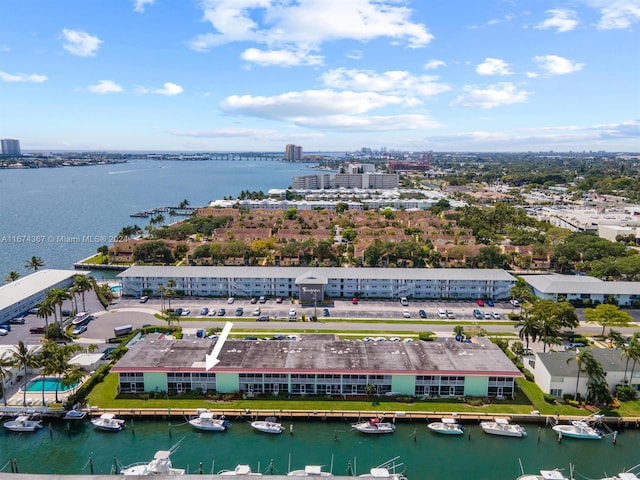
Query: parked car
[178,311]
[450,314]
[279,300]
[292,313]
[495,315]
[263,318]
[222,312]
[442,313]
[487,315]
[515,303]
[354,300]
[212,312]
[422,314]
[185,312]
[404,302]
[405,313]
[263,299]
[326,312]
[489,303]
[144,299]
[17,320]
[204,311]
[3,332]
[38,329]
[79,329]
[230,300]
[480,302]
[256,311]
[253,300]
[477,314]
[239,311]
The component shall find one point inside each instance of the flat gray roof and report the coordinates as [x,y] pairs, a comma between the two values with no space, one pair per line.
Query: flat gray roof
[157,353]
[328,272]
[24,287]
[557,365]
[554,283]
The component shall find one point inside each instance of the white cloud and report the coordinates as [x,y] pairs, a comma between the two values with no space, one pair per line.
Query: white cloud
[285,58]
[493,66]
[169,89]
[292,105]
[22,77]
[139,5]
[80,43]
[433,64]
[618,14]
[307,24]
[396,82]
[355,55]
[562,19]
[556,65]
[105,86]
[491,97]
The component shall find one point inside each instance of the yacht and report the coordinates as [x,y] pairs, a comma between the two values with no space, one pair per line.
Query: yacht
[240,471]
[578,429]
[310,471]
[23,423]
[374,426]
[501,426]
[544,475]
[448,426]
[623,476]
[268,425]
[160,465]
[207,421]
[108,422]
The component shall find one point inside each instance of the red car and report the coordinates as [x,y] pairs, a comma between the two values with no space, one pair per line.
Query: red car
[354,300]
[480,302]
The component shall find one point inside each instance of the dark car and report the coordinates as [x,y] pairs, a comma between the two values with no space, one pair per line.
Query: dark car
[422,314]
[254,300]
[178,311]
[263,318]
[263,299]
[38,329]
[489,303]
[239,312]
[222,312]
[326,312]
[477,314]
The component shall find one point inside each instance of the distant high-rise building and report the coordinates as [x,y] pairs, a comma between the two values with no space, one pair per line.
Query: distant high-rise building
[293,153]
[10,146]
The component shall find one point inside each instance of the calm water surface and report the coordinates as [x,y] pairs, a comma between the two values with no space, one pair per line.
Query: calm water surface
[64,214]
[426,455]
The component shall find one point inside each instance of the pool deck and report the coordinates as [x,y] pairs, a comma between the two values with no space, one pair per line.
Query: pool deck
[16,398]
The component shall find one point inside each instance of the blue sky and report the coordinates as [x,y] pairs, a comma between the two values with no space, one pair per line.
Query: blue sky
[330,75]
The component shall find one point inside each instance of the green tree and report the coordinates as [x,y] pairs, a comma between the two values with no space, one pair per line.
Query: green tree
[57,296]
[82,284]
[581,357]
[6,362]
[34,263]
[23,358]
[45,310]
[607,315]
[12,276]
[170,292]
[530,328]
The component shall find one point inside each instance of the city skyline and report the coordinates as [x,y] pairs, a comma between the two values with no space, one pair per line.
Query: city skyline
[215,75]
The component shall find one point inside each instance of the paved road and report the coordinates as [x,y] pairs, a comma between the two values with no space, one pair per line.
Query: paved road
[131,311]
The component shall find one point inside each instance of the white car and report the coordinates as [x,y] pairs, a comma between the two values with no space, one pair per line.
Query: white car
[292,312]
[515,303]
[3,332]
[256,312]
[185,312]
[405,313]
[495,315]
[230,300]
[212,312]
[487,315]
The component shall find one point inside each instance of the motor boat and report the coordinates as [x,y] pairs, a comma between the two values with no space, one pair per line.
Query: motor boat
[74,414]
[501,426]
[448,426]
[108,422]
[544,475]
[578,429]
[374,426]
[207,421]
[623,476]
[160,465]
[310,471]
[268,425]
[23,423]
[380,472]
[240,470]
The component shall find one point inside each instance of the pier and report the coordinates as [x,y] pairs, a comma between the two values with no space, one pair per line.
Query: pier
[173,211]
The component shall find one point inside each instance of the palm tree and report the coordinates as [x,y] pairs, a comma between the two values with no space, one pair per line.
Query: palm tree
[61,367]
[23,358]
[82,284]
[12,276]
[582,357]
[57,296]
[171,284]
[6,362]
[529,328]
[35,263]
[45,310]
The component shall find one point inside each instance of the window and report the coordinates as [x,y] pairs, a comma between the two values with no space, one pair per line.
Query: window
[556,392]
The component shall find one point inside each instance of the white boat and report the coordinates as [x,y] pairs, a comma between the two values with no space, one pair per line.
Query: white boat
[208,421]
[108,422]
[544,475]
[23,423]
[310,471]
[623,476]
[160,465]
[268,425]
[380,472]
[578,429]
[74,414]
[448,426]
[374,426]
[240,470]
[501,426]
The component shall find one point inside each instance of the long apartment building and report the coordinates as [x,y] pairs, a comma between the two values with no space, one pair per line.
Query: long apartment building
[311,284]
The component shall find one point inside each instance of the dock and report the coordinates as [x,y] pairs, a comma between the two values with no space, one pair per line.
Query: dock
[174,211]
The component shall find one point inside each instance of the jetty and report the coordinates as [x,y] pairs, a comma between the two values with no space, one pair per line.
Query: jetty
[174,211]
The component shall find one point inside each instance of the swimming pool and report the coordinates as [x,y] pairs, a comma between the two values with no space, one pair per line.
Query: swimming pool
[116,290]
[50,384]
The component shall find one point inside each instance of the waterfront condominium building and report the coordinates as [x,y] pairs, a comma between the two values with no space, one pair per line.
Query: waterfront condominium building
[312,284]
[293,153]
[341,368]
[10,146]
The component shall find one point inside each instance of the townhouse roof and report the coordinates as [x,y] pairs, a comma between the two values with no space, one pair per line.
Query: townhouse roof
[554,283]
